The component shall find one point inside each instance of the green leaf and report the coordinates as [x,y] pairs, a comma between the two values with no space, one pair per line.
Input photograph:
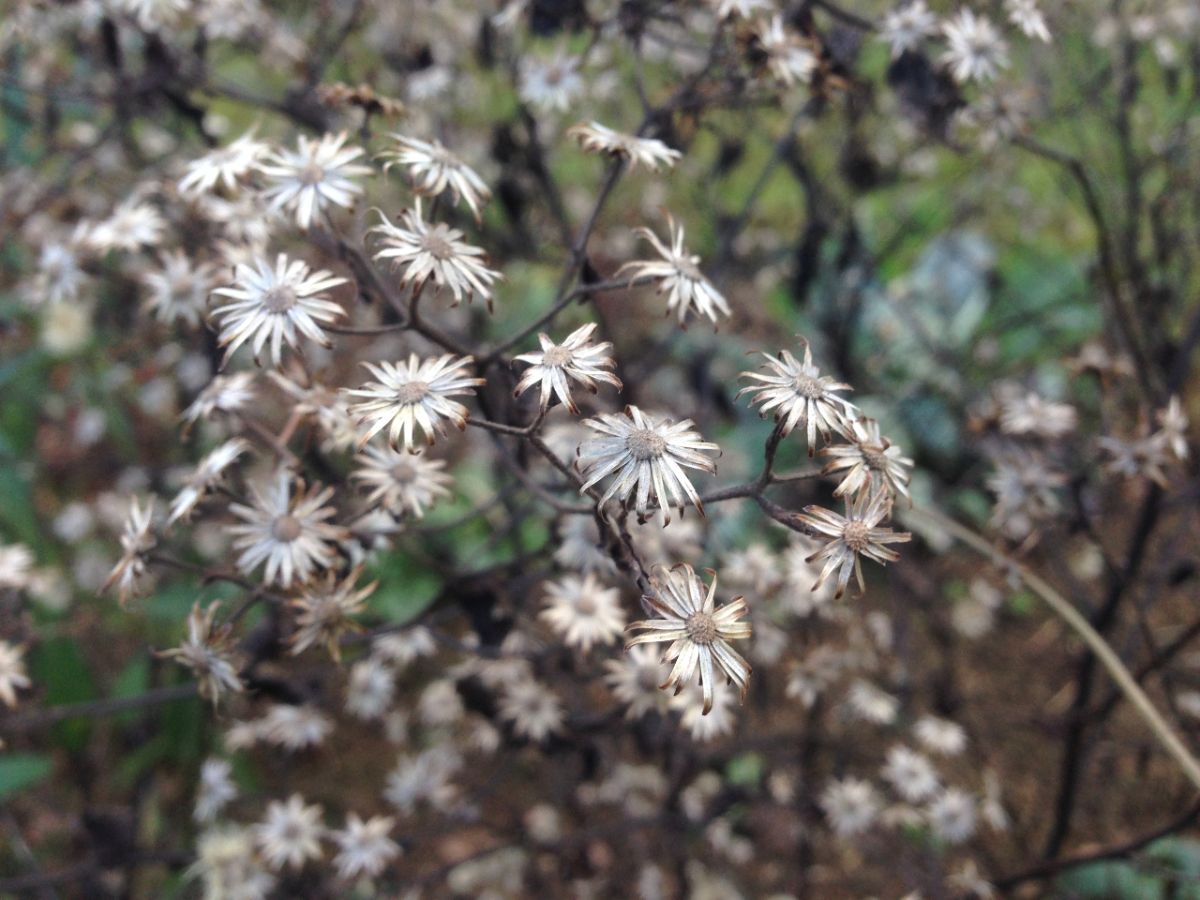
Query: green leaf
[405,590]
[59,665]
[16,505]
[745,770]
[134,679]
[21,770]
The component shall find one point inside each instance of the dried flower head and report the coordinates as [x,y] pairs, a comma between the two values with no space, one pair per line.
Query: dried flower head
[178,290]
[678,275]
[851,537]
[533,710]
[699,632]
[799,394]
[557,365]
[414,395]
[432,169]
[647,457]
[225,393]
[206,651]
[551,85]
[583,611]
[870,464]
[435,251]
[316,175]
[634,679]
[366,848]
[291,833]
[274,304]
[975,51]
[12,673]
[402,483]
[789,59]
[226,167]
[906,26]
[208,474]
[649,152]
[288,529]
[136,541]
[325,611]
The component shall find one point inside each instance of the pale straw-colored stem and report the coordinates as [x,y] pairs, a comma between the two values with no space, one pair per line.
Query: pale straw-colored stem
[1127,684]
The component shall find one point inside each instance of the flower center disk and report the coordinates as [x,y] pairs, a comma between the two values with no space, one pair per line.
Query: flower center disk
[412,392]
[645,443]
[857,536]
[285,529]
[279,299]
[557,357]
[701,628]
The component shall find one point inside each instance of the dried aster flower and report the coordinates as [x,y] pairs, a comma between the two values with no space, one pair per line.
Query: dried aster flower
[851,537]
[291,833]
[1026,491]
[975,51]
[59,277]
[851,805]
[291,534]
[178,290]
[324,612]
[911,774]
[295,728]
[799,394]
[534,710]
[788,59]
[739,9]
[1174,428]
[634,679]
[366,847]
[136,541]
[905,27]
[1026,413]
[16,566]
[596,138]
[551,85]
[432,169]
[557,365]
[229,867]
[413,395]
[208,475]
[275,303]
[647,458]
[326,405]
[206,652]
[132,226]
[12,673]
[941,735]
[953,815]
[706,719]
[426,777]
[370,689]
[215,790]
[437,252]
[1145,457]
[678,276]
[1028,18]
[315,175]
[225,393]
[226,166]
[584,612]
[403,483]
[699,632]
[869,464]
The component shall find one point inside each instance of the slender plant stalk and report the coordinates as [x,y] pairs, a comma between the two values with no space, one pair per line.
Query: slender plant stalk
[1076,622]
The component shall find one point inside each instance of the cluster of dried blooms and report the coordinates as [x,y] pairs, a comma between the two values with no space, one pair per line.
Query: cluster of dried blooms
[368,354]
